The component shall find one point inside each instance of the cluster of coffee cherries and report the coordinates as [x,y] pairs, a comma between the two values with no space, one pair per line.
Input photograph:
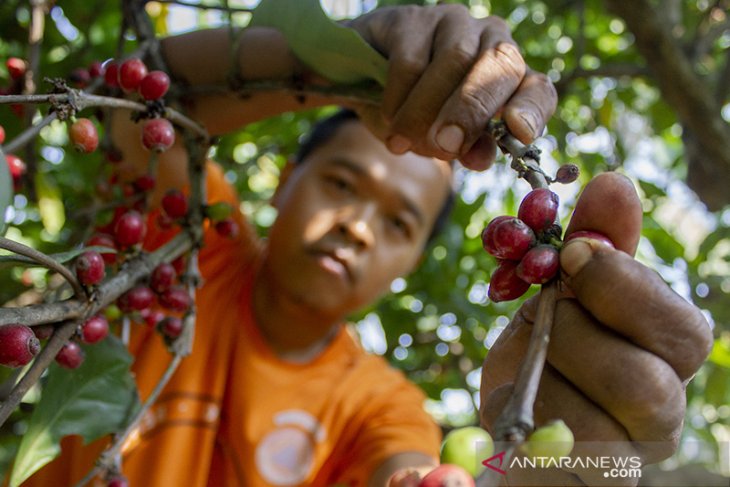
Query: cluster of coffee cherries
[526,246]
[16,69]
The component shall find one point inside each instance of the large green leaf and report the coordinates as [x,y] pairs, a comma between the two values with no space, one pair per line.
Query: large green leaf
[6,190]
[338,53]
[91,401]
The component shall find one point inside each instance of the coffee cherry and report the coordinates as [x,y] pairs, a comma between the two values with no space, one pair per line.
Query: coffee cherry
[104,240]
[90,267]
[18,345]
[447,475]
[130,229]
[554,440]
[96,69]
[83,135]
[505,284]
[538,209]
[16,67]
[152,316]
[94,329]
[154,85]
[136,299]
[70,356]
[175,204]
[539,265]
[164,222]
[218,211]
[227,228]
[144,183]
[43,332]
[567,173]
[112,312]
[118,481]
[591,235]
[131,73]
[162,277]
[171,327]
[508,238]
[158,134]
[80,77]
[2,134]
[17,169]
[179,265]
[176,299]
[111,75]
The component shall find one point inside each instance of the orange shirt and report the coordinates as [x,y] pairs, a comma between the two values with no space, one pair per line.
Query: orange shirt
[234,414]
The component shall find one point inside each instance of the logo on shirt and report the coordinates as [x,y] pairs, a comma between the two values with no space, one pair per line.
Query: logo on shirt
[285,456]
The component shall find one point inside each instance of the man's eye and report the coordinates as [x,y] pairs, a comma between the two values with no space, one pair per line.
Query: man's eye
[400,226]
[340,184]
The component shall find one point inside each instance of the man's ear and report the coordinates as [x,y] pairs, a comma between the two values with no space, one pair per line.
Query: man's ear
[283,178]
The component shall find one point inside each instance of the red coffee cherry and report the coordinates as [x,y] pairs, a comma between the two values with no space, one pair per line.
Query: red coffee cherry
[227,228]
[175,204]
[567,173]
[94,329]
[131,73]
[96,69]
[2,134]
[104,240]
[70,356]
[152,316]
[539,265]
[80,77]
[505,284]
[158,134]
[162,277]
[508,238]
[144,183]
[129,229]
[111,75]
[16,67]
[118,481]
[538,209]
[176,299]
[136,299]
[18,345]
[90,268]
[83,135]
[154,85]
[171,327]
[17,169]
[42,332]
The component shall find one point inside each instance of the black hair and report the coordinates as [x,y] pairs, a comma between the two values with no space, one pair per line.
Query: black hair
[326,128]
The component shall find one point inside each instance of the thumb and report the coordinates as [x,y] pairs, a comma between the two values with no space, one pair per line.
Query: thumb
[609,205]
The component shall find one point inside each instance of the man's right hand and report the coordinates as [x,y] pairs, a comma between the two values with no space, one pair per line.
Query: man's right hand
[449,74]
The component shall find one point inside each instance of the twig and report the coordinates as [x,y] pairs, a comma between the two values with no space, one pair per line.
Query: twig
[45,261]
[202,6]
[40,364]
[516,420]
[108,458]
[28,134]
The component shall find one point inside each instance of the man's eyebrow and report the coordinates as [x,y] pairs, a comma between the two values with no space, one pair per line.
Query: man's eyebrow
[410,206]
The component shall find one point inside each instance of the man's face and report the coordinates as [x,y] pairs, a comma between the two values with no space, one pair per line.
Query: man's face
[352,217]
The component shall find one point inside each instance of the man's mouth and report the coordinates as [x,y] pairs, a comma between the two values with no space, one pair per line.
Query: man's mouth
[333,262]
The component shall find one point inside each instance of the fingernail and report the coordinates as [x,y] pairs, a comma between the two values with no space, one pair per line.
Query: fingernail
[397,144]
[575,255]
[450,138]
[531,122]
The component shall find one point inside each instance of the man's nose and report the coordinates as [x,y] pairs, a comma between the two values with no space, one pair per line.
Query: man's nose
[356,224]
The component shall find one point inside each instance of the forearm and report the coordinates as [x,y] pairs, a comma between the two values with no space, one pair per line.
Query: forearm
[214,58]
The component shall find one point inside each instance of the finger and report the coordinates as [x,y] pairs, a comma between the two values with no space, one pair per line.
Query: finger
[633,301]
[490,83]
[455,47]
[631,384]
[481,155]
[530,108]
[609,205]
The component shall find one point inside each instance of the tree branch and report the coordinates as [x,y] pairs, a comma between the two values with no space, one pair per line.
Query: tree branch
[687,93]
[202,6]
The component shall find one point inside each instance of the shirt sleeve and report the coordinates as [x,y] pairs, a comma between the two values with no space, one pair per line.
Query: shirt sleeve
[396,422]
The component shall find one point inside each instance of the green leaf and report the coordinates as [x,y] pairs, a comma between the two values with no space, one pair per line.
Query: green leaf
[61,257]
[50,204]
[720,354]
[6,191]
[93,400]
[338,53]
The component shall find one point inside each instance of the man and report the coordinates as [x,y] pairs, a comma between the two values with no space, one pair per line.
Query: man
[276,392]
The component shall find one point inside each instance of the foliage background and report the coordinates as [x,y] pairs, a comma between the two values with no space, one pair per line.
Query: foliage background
[438,325]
